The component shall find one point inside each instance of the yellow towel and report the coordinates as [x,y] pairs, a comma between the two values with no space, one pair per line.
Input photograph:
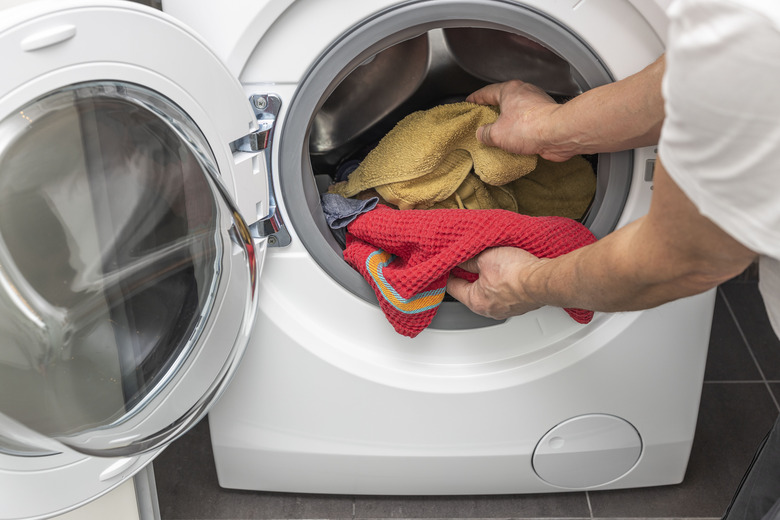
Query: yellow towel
[428,155]
[475,194]
[563,189]
[432,159]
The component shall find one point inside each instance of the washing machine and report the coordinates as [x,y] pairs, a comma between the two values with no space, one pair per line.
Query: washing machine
[163,249]
[328,398]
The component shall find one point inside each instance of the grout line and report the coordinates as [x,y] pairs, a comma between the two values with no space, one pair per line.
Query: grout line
[746,382]
[590,507]
[750,350]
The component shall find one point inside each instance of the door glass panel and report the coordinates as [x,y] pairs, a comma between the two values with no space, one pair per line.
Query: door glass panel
[109,254]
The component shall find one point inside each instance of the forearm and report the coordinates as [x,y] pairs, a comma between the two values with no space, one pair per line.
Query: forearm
[617,116]
[617,274]
[670,253]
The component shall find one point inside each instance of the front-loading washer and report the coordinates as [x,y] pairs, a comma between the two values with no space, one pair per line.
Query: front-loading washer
[160,220]
[328,398]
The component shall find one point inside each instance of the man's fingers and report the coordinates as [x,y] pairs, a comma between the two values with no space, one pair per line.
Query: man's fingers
[458,288]
[488,95]
[470,265]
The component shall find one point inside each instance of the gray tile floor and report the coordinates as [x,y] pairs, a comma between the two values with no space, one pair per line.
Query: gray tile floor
[739,404]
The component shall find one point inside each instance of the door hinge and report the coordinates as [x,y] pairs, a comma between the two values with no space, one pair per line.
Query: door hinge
[266,108]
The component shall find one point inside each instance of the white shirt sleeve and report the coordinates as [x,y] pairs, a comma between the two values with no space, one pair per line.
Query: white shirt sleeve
[720,140]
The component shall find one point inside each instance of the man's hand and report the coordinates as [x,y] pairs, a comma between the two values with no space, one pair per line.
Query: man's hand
[521,126]
[497,293]
[613,117]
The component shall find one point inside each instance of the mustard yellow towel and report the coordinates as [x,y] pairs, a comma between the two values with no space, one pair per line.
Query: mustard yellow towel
[428,155]
[563,189]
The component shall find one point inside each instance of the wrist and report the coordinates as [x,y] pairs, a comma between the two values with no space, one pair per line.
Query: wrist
[553,135]
[531,282]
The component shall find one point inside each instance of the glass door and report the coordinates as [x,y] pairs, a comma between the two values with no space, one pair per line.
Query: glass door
[114,233]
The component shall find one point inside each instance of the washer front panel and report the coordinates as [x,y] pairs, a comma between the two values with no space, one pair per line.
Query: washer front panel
[313,260]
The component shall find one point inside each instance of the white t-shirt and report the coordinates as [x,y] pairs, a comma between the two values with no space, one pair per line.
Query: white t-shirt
[720,140]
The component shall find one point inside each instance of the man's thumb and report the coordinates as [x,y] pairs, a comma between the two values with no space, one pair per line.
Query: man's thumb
[483,135]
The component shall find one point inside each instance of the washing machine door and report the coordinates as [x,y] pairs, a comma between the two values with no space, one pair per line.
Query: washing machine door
[128,271]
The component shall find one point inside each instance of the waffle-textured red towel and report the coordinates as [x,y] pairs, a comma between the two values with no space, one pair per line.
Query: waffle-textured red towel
[407,256]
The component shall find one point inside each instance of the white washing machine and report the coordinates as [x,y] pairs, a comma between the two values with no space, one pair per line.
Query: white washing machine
[328,399]
[161,235]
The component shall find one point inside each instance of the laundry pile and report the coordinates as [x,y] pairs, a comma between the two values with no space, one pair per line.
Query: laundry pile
[432,160]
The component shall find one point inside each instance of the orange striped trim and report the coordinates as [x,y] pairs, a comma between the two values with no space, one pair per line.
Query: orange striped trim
[425,301]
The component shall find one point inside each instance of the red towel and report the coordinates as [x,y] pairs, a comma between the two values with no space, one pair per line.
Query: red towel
[407,256]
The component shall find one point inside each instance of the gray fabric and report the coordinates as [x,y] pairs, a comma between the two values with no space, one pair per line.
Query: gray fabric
[758,497]
[340,211]
[773,513]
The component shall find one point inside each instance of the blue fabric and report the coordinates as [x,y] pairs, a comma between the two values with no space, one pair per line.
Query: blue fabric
[340,211]
[343,171]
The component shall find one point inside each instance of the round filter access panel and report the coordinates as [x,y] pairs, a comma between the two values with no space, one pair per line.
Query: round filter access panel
[587,451]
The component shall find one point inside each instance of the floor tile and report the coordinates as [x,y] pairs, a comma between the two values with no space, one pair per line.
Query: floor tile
[748,307]
[567,505]
[732,421]
[728,358]
[775,387]
[187,488]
